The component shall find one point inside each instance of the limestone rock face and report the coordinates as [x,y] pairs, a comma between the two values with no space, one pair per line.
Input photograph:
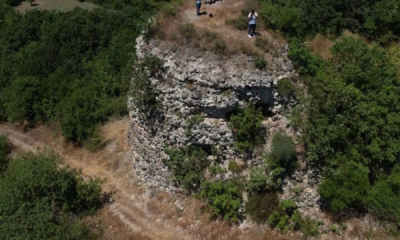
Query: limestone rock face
[196,82]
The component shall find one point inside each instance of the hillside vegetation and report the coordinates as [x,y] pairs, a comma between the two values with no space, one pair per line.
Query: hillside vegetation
[378,20]
[40,200]
[74,67]
[69,67]
[351,131]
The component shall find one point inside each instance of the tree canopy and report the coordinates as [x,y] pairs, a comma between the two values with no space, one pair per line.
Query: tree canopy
[374,19]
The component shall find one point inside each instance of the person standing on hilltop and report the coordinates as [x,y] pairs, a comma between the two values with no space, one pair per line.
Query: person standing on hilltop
[252,22]
[198,6]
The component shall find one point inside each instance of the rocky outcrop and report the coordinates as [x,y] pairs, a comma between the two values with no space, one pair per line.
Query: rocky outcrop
[194,83]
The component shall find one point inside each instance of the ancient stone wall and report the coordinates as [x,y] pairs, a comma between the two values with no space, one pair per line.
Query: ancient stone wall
[196,82]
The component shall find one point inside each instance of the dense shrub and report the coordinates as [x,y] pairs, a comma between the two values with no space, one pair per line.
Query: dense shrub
[303,60]
[142,92]
[71,67]
[223,198]
[187,166]
[40,200]
[346,187]
[260,62]
[281,161]
[352,128]
[287,217]
[384,197]
[259,180]
[281,218]
[246,126]
[375,19]
[261,206]
[4,150]
[56,56]
[285,87]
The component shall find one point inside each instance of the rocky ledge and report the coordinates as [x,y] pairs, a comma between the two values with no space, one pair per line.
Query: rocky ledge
[199,83]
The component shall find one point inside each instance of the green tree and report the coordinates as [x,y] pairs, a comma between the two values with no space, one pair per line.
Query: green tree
[187,166]
[40,200]
[4,150]
[224,199]
[246,126]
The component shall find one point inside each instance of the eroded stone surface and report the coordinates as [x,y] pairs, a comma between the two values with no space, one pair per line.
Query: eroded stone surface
[197,82]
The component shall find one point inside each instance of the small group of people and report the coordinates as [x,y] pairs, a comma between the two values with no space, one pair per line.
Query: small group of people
[252,17]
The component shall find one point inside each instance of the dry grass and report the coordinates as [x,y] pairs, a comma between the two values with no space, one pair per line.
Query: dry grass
[58,5]
[321,45]
[211,32]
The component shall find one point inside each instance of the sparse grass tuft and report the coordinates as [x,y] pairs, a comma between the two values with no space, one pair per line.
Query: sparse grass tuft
[209,36]
[187,31]
[234,167]
[260,62]
[239,23]
[220,47]
[263,43]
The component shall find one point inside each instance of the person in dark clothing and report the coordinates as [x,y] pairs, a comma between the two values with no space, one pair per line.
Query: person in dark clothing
[198,6]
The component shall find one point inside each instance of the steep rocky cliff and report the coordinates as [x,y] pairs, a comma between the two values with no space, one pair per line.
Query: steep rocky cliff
[196,82]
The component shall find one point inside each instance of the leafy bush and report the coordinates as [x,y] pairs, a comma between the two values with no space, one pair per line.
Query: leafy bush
[40,200]
[322,16]
[308,226]
[234,167]
[283,152]
[261,206]
[259,180]
[303,60]
[282,159]
[346,187]
[285,87]
[260,62]
[52,56]
[352,127]
[224,199]
[143,95]
[246,126]
[384,197]
[282,217]
[187,166]
[287,217]
[4,150]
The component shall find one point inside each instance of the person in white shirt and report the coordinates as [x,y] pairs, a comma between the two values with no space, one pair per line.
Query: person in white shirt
[198,6]
[252,22]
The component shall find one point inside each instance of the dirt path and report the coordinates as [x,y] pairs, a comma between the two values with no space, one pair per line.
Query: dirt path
[126,217]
